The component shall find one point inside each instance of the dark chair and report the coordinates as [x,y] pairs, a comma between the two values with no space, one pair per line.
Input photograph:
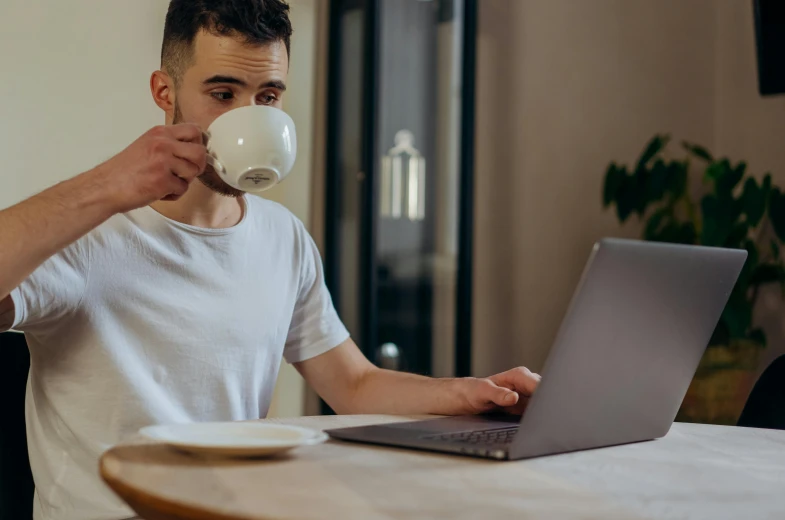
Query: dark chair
[765,406]
[16,481]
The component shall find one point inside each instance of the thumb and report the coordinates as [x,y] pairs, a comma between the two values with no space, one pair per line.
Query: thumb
[501,396]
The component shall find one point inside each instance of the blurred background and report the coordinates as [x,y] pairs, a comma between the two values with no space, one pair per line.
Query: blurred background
[455,161]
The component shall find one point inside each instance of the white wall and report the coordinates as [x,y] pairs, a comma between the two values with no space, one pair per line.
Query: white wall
[74,86]
[74,92]
[564,87]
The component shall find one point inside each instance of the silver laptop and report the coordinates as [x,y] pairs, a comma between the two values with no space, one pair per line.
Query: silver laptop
[637,326]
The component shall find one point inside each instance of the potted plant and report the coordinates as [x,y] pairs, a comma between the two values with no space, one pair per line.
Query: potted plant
[735,210]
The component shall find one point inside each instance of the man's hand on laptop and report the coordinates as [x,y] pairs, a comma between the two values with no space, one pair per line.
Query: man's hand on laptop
[509,391]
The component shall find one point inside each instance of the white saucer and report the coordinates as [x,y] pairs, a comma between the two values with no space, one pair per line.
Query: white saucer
[234,438]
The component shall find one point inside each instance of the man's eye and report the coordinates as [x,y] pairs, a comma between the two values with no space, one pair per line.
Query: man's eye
[222,96]
[268,99]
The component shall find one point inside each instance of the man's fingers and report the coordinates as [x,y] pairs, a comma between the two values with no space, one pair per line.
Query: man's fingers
[519,407]
[191,152]
[501,396]
[185,170]
[186,132]
[177,189]
[519,379]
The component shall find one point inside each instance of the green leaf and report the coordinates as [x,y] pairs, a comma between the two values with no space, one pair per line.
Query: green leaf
[721,335]
[654,147]
[677,233]
[652,230]
[777,212]
[758,336]
[718,218]
[687,234]
[724,176]
[657,181]
[625,199]
[713,171]
[766,185]
[710,235]
[613,180]
[753,200]
[753,260]
[730,177]
[669,233]
[767,273]
[676,183]
[737,315]
[698,151]
[737,235]
[639,186]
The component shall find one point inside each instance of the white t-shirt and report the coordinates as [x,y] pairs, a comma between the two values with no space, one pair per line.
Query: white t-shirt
[148,321]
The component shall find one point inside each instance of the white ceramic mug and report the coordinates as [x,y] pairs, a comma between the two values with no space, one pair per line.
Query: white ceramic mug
[252,148]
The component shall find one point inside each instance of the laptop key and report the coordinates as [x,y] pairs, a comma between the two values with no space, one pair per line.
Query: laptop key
[504,436]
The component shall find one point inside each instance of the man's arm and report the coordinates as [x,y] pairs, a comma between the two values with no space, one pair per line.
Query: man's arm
[37,228]
[349,383]
[160,164]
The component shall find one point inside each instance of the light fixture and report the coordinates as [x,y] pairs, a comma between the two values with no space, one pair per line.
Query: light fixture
[403,180]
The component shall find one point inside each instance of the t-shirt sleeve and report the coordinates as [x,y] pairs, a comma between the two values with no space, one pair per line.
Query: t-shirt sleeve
[315,327]
[53,292]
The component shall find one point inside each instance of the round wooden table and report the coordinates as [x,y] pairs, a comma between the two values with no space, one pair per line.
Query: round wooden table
[696,471]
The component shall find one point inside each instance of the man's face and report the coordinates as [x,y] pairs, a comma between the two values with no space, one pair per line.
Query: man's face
[227,73]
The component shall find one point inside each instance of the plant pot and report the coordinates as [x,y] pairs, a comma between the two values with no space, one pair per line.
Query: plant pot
[721,384]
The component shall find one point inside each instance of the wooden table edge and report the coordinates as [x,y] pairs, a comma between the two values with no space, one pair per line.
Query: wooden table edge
[149,505]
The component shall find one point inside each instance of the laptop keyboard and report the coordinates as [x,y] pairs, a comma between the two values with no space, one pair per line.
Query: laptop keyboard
[500,436]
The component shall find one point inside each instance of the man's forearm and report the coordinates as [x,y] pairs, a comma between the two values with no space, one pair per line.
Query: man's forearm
[399,393]
[348,382]
[37,228]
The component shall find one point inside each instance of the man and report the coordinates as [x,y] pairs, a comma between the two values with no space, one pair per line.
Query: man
[149,298]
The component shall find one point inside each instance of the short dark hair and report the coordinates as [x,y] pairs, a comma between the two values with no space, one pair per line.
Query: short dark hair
[258,22]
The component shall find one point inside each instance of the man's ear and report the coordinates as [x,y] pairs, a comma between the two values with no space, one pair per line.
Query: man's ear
[162,89]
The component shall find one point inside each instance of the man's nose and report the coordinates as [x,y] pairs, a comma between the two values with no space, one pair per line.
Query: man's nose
[248,102]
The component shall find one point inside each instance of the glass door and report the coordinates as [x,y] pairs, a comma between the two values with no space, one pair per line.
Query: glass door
[399,179]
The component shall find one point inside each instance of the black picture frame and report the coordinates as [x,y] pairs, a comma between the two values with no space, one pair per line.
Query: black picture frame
[770,45]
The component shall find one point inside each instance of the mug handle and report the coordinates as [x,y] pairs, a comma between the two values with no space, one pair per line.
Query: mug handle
[212,161]
[217,166]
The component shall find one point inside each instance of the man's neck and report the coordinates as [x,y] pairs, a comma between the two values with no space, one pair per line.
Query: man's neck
[202,207]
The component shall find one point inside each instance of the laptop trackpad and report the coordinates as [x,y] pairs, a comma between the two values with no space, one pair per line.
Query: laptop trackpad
[459,424]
